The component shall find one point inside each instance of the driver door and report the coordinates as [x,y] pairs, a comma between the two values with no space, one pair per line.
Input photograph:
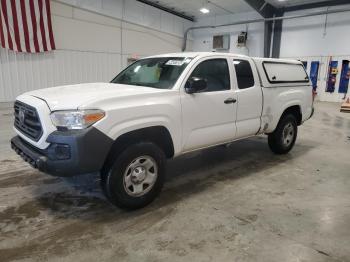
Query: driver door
[209,115]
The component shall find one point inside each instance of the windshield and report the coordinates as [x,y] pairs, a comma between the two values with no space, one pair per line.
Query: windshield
[159,72]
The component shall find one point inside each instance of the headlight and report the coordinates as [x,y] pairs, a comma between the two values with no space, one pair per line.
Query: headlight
[76,119]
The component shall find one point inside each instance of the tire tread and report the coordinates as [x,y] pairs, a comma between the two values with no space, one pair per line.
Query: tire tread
[274,138]
[112,176]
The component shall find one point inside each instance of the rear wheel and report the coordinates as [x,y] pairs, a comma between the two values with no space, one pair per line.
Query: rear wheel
[136,176]
[282,140]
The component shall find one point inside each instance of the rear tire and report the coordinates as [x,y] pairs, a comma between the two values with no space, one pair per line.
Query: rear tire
[135,177]
[282,140]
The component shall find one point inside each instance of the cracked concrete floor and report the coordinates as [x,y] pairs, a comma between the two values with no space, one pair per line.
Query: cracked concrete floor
[240,203]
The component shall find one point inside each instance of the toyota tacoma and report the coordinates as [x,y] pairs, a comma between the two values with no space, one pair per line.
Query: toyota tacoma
[158,108]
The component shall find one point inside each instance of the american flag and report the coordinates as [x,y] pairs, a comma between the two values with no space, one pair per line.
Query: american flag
[25,26]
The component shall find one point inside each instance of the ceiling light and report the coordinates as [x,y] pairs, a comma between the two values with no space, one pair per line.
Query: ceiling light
[204,10]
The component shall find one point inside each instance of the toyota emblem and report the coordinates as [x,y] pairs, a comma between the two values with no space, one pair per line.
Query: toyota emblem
[21,116]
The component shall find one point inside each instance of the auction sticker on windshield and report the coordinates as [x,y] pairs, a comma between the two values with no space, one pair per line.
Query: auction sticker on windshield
[175,62]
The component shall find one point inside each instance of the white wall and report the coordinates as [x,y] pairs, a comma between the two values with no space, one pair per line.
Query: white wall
[255,45]
[309,40]
[306,39]
[93,41]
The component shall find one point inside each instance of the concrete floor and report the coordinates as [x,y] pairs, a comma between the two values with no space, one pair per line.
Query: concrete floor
[240,203]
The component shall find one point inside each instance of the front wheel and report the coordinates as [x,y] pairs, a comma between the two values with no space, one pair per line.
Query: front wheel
[282,140]
[136,176]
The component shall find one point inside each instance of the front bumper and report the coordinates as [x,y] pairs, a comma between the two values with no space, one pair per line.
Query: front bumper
[69,153]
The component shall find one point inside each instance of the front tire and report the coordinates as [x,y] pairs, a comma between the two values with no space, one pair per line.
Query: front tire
[136,176]
[282,140]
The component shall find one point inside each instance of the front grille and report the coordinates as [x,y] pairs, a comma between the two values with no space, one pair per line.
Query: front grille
[27,121]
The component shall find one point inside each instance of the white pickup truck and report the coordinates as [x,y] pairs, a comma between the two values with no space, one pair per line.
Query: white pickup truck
[157,108]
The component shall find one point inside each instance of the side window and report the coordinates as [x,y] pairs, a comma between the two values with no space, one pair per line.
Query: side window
[244,73]
[215,72]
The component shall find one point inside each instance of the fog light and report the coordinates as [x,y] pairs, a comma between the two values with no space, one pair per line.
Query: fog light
[62,151]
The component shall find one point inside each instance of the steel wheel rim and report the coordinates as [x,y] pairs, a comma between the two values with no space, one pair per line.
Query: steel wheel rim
[140,176]
[288,134]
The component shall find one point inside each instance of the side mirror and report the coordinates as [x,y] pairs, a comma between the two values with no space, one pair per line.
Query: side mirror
[195,84]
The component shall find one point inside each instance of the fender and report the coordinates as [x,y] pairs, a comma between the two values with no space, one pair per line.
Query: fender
[130,125]
[273,124]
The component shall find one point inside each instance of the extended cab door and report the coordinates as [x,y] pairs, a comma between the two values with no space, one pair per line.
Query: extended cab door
[249,97]
[209,115]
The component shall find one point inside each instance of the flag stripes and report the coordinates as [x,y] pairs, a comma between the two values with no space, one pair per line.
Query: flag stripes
[25,26]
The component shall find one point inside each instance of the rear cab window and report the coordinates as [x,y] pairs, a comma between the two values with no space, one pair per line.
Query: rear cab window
[244,73]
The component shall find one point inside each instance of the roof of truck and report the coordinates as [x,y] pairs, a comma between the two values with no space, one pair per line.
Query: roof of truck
[206,54]
[195,54]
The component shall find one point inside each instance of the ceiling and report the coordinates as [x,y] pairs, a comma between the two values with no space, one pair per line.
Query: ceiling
[191,7]
[221,7]
[287,3]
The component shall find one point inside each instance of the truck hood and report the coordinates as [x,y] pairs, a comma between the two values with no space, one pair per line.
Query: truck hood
[74,96]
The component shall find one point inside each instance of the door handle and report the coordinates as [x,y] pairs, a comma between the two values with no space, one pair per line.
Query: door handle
[230,100]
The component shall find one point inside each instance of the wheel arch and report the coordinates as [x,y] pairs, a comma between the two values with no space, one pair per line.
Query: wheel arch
[158,135]
[294,110]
